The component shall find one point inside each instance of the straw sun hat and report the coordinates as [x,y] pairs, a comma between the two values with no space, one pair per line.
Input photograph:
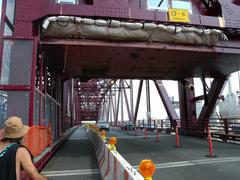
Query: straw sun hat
[14,128]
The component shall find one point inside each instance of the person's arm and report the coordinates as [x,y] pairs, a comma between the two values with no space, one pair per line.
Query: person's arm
[25,160]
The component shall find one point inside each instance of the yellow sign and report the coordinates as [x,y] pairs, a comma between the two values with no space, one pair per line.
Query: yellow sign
[178,15]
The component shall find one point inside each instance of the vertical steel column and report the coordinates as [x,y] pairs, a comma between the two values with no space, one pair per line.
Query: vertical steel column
[138,100]
[187,105]
[148,103]
[4,3]
[113,108]
[73,101]
[77,107]
[127,104]
[108,109]
[131,97]
[115,105]
[60,115]
[118,102]
[204,88]
[120,85]
[100,113]
[112,114]
[103,109]
[33,75]
[40,88]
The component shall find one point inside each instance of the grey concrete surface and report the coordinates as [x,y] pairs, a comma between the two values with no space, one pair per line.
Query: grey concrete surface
[186,163]
[76,159]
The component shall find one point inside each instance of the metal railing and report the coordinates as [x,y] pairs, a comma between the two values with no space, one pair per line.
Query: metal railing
[220,128]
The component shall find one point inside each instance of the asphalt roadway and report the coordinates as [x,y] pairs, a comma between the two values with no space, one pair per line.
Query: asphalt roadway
[76,159]
[189,162]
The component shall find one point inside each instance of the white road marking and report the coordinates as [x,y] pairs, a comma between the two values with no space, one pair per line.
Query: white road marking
[195,162]
[70,172]
[158,166]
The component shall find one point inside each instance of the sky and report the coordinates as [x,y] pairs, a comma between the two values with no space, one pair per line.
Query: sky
[152,4]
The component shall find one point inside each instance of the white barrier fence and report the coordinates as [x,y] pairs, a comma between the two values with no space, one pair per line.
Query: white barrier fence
[111,164]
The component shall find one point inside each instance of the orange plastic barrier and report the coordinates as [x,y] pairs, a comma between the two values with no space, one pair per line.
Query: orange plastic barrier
[1,134]
[37,139]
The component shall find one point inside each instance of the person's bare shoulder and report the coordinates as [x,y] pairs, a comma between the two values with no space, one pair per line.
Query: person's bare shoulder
[24,157]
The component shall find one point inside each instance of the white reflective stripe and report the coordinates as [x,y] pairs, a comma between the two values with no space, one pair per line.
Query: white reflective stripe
[195,162]
[110,173]
[101,154]
[98,145]
[103,168]
[70,172]
[120,175]
[106,157]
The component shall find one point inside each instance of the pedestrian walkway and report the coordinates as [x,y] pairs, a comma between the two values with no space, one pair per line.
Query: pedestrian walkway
[75,160]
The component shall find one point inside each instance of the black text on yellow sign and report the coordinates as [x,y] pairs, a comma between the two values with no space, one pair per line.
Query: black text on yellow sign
[178,15]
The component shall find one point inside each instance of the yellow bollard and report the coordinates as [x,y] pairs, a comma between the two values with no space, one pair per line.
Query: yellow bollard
[103,135]
[147,169]
[112,142]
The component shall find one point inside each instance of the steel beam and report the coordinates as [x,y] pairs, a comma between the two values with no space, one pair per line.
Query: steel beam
[152,45]
[131,97]
[138,100]
[187,105]
[41,88]
[122,116]
[148,103]
[127,104]
[33,75]
[213,95]
[3,14]
[108,109]
[117,108]
[166,102]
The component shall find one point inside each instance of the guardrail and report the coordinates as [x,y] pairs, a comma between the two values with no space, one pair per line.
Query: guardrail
[221,128]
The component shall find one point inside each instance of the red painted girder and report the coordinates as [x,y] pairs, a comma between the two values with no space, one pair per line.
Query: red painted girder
[151,45]
[213,95]
[166,101]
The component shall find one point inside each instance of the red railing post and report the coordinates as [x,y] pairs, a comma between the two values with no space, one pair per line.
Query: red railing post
[210,144]
[177,137]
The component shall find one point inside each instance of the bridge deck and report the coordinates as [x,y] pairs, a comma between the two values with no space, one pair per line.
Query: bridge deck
[75,160]
[187,162]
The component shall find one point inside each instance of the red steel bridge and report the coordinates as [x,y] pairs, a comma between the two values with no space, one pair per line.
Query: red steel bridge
[64,62]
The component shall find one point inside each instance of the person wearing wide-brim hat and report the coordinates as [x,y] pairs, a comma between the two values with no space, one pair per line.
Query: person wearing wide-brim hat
[13,155]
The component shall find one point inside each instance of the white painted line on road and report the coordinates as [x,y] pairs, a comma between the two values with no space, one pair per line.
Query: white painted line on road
[70,172]
[195,162]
